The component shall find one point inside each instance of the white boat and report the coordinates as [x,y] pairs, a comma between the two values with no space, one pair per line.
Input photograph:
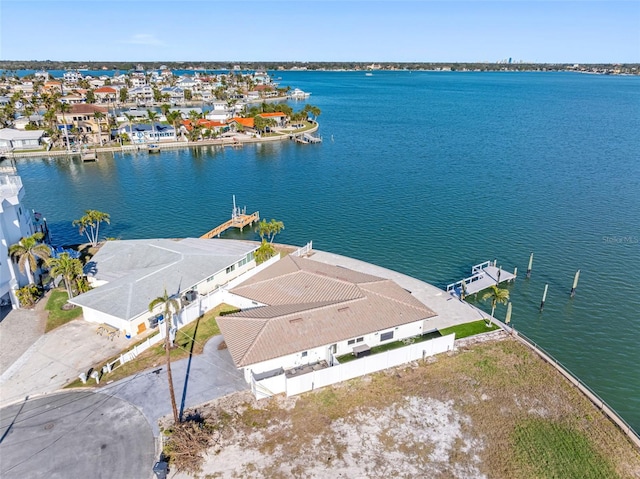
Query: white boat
[368,74]
[298,94]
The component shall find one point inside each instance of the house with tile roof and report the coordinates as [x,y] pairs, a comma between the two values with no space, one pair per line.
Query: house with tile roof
[105,94]
[314,312]
[279,117]
[128,274]
[82,116]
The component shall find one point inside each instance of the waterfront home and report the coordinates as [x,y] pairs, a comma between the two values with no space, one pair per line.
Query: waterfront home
[141,94]
[140,133]
[83,117]
[71,76]
[176,94]
[279,117]
[12,139]
[105,94]
[127,275]
[314,312]
[215,126]
[242,124]
[15,223]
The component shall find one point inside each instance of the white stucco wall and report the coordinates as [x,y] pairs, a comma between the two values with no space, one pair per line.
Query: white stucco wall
[324,352]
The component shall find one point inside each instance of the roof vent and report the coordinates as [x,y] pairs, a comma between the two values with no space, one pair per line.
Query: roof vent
[295,320]
[342,310]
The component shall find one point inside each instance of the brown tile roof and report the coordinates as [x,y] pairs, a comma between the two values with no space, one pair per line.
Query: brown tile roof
[86,108]
[246,122]
[105,89]
[311,304]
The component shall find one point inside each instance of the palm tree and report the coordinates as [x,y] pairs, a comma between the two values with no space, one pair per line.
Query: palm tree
[174,117]
[497,296]
[89,224]
[98,115]
[28,251]
[153,117]
[270,229]
[170,306]
[64,108]
[70,268]
[130,119]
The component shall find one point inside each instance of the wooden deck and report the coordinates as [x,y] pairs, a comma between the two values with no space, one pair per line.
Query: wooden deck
[483,276]
[237,221]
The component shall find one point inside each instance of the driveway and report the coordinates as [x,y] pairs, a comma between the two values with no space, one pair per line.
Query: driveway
[55,359]
[202,378]
[75,435]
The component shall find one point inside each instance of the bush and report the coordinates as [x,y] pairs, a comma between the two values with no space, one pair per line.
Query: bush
[28,295]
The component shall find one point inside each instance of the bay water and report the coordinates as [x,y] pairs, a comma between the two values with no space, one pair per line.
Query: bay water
[426,173]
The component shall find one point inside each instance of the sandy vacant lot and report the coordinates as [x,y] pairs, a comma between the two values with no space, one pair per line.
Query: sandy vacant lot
[475,413]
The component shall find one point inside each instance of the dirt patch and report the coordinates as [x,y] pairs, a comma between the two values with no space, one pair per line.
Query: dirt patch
[453,416]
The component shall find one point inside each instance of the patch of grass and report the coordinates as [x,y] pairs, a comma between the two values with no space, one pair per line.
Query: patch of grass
[518,410]
[345,358]
[58,316]
[189,340]
[550,449]
[469,329]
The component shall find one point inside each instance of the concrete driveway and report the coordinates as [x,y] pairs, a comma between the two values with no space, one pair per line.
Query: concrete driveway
[202,378]
[73,435]
[55,359]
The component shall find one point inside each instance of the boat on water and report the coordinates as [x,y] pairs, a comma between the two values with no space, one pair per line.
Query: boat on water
[153,148]
[298,94]
[368,74]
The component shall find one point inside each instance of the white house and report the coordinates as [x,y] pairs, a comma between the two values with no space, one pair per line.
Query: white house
[11,139]
[315,312]
[219,115]
[15,223]
[145,133]
[128,275]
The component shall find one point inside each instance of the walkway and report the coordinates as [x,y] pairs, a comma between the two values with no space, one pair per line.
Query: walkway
[19,329]
[208,376]
[55,359]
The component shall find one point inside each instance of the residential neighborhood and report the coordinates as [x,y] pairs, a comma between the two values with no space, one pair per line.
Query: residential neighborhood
[80,110]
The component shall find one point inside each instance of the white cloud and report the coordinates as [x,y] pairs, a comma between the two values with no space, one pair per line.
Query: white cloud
[144,39]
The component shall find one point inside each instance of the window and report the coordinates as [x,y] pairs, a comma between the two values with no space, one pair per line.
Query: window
[304,354]
[231,268]
[350,342]
[386,336]
[359,340]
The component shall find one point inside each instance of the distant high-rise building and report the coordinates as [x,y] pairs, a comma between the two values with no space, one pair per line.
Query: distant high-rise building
[509,60]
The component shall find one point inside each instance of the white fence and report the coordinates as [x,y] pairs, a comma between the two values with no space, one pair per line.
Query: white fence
[200,306]
[352,369]
[304,250]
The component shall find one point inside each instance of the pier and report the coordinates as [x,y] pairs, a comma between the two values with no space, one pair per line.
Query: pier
[483,276]
[239,219]
[306,138]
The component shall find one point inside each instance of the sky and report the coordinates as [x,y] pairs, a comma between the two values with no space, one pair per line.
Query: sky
[587,31]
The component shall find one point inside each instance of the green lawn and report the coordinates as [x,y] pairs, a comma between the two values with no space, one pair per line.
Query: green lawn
[469,329]
[57,316]
[549,449]
[189,340]
[393,345]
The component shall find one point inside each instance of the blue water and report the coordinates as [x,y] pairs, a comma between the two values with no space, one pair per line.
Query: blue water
[425,173]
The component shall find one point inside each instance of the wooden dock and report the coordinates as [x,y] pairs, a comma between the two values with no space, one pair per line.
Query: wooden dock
[239,219]
[483,276]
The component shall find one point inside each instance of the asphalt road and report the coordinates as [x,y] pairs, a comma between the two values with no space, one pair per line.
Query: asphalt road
[75,435]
